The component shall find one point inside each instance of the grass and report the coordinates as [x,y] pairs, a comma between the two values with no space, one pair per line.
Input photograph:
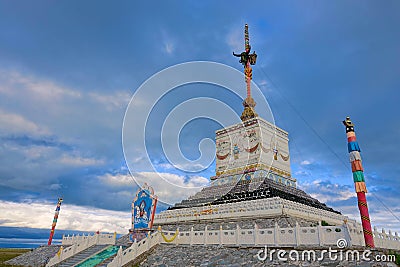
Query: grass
[9,253]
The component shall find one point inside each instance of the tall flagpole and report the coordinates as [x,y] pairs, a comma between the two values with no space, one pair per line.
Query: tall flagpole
[247,60]
[359,182]
[53,226]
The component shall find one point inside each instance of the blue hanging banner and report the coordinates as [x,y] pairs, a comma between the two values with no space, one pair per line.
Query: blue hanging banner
[143,208]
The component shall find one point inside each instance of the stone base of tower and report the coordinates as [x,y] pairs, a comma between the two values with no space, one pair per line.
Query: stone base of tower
[258,201]
[266,208]
[282,221]
[257,188]
[254,144]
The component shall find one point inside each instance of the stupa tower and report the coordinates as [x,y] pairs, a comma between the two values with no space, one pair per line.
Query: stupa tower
[253,148]
[252,158]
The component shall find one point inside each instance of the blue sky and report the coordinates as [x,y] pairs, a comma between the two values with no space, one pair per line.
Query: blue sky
[69,68]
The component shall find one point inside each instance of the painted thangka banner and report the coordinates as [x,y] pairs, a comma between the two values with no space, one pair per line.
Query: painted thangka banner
[143,208]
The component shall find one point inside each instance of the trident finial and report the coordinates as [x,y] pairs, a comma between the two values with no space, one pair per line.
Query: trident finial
[247,46]
[247,59]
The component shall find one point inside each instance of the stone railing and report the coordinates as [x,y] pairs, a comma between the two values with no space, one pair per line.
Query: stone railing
[276,236]
[283,237]
[317,236]
[135,250]
[78,243]
[386,240]
[98,239]
[296,209]
[260,208]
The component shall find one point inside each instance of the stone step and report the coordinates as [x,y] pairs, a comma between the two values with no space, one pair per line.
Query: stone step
[110,259]
[81,256]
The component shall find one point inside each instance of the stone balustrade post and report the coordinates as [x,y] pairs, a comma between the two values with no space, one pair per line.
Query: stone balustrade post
[320,234]
[397,240]
[346,233]
[191,235]
[206,235]
[256,234]
[148,240]
[276,234]
[384,237]
[134,248]
[61,255]
[377,240]
[220,234]
[297,234]
[119,256]
[237,234]
[159,231]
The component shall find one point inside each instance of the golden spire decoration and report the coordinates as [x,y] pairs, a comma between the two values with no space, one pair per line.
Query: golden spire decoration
[247,60]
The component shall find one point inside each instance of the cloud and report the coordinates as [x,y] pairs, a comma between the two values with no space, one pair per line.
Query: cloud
[72,217]
[38,165]
[234,39]
[117,180]
[16,83]
[118,100]
[328,192]
[79,161]
[305,162]
[11,123]
[380,217]
[170,188]
[49,132]
[55,186]
[344,199]
[168,42]
[185,166]
[262,83]
[169,47]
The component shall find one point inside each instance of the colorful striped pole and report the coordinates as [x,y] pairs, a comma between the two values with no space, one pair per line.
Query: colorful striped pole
[53,226]
[359,182]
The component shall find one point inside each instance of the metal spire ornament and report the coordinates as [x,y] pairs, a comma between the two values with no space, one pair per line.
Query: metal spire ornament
[53,226]
[247,60]
[359,182]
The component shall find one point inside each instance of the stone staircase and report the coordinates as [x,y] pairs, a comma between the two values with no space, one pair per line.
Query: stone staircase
[81,256]
[123,242]
[110,259]
[106,262]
